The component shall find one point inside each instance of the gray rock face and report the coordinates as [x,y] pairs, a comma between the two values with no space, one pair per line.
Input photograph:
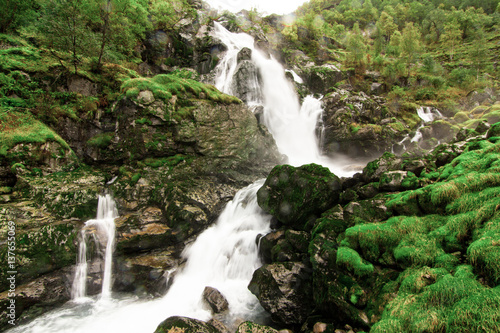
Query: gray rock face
[217,302]
[284,290]
[247,82]
[351,128]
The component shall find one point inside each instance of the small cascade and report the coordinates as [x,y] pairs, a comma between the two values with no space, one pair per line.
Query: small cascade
[427,114]
[102,230]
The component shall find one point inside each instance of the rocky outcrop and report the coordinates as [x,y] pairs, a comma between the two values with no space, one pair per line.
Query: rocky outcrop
[358,125]
[247,79]
[321,79]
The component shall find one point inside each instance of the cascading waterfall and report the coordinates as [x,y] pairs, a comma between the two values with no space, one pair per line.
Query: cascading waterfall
[225,255]
[292,125]
[427,114]
[103,230]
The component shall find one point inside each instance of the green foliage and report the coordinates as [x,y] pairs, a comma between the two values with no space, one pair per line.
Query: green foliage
[432,301]
[16,13]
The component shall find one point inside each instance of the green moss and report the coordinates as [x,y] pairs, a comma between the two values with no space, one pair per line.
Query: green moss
[101,141]
[431,301]
[351,259]
[17,128]
[484,252]
[135,178]
[164,86]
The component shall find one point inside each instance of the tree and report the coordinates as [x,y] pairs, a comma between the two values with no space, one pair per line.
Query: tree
[119,25]
[356,46]
[14,12]
[166,14]
[385,29]
[63,26]
[451,36]
[410,45]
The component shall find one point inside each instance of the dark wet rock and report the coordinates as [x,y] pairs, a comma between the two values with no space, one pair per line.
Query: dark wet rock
[284,290]
[36,297]
[244,54]
[247,82]
[295,195]
[146,273]
[217,302]
[186,325]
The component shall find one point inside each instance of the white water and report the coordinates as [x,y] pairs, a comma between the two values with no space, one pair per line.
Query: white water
[225,255]
[292,125]
[427,114]
[103,231]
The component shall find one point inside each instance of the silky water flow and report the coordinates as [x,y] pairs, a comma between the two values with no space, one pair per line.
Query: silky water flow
[225,255]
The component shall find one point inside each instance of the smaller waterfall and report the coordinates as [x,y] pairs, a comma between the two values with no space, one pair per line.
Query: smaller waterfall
[102,230]
[427,114]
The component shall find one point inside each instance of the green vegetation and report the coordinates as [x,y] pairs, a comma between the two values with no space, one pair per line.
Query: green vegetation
[443,238]
[437,51]
[18,128]
[164,86]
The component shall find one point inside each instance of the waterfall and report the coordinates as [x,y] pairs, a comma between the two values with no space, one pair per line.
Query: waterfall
[427,114]
[225,255]
[103,231]
[292,125]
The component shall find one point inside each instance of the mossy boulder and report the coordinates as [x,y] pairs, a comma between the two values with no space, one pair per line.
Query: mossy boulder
[392,181]
[296,195]
[494,131]
[376,168]
[320,79]
[184,324]
[359,125]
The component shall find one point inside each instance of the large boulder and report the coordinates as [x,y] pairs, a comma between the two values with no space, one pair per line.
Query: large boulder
[284,290]
[247,82]
[296,195]
[185,325]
